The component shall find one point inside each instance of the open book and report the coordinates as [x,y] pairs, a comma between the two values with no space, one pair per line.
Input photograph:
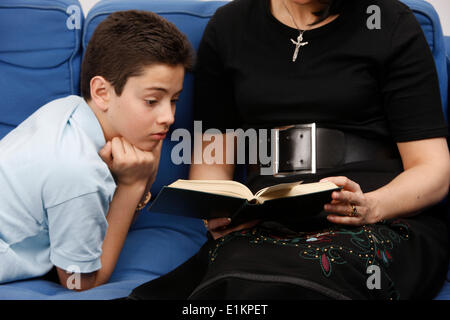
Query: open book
[207,199]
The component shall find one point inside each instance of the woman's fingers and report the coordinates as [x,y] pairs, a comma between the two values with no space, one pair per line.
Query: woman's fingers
[246,225]
[217,223]
[352,221]
[218,227]
[223,232]
[344,209]
[344,182]
[348,206]
[347,197]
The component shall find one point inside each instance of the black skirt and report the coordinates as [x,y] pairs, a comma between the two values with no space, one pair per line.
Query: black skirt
[403,258]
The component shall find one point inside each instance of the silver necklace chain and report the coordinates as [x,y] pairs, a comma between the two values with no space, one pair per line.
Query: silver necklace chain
[299,42]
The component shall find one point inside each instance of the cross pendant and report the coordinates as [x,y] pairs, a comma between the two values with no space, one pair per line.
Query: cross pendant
[298,44]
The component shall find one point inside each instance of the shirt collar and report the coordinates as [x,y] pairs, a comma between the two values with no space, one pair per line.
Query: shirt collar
[88,121]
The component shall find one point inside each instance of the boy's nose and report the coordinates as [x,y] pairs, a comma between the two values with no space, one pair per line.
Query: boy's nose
[167,114]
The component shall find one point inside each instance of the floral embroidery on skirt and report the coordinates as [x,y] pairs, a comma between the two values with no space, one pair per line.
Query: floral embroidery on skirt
[368,244]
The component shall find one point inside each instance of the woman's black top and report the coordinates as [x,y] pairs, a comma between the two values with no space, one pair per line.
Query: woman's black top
[378,83]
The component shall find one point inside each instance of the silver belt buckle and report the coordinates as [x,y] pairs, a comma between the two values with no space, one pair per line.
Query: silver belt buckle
[298,154]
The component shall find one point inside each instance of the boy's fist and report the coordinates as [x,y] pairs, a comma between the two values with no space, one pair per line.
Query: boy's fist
[129,164]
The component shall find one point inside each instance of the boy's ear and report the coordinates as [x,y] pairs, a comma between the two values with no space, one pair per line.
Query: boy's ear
[101,92]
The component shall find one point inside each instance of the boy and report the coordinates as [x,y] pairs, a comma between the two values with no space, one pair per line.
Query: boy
[73,174]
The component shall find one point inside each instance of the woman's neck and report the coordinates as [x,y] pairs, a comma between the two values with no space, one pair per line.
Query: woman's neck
[288,11]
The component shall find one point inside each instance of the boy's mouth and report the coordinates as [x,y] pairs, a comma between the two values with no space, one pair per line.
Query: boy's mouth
[159,135]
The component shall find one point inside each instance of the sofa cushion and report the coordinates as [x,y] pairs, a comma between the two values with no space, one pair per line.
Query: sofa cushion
[431,26]
[444,294]
[155,245]
[45,63]
[447,46]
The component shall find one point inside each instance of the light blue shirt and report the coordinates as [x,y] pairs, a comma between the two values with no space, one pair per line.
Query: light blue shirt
[55,192]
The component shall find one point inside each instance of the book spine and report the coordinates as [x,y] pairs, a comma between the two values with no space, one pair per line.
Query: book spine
[244,213]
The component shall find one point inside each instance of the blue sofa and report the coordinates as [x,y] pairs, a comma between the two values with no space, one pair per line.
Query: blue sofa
[41,45]
[447,46]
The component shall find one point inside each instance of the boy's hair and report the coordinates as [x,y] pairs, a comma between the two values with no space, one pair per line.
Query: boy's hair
[126,42]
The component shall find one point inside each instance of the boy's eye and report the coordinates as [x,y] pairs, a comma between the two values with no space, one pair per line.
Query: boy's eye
[174,101]
[151,102]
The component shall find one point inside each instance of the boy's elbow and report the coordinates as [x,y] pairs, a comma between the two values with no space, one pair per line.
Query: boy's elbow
[77,281]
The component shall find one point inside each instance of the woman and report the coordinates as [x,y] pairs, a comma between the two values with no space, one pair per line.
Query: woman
[367,76]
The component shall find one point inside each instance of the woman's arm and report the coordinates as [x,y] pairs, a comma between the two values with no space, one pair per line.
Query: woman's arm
[424,182]
[214,171]
[217,171]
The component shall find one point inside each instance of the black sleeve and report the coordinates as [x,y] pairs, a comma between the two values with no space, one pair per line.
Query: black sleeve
[411,90]
[214,102]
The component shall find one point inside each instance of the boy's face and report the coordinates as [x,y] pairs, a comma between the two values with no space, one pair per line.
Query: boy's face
[144,111]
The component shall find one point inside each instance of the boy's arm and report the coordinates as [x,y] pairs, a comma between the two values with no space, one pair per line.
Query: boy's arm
[120,215]
[133,169]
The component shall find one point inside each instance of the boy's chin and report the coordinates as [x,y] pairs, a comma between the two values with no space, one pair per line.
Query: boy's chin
[148,145]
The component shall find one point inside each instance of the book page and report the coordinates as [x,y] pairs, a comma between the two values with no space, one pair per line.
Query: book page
[277,187]
[297,190]
[222,187]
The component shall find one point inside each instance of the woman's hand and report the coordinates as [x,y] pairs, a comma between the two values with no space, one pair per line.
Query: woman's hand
[351,206]
[218,227]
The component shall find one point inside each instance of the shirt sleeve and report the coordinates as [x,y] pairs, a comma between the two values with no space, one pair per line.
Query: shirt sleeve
[214,102]
[77,228]
[411,89]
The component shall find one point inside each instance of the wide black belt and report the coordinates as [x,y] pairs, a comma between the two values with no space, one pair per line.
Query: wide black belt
[307,148]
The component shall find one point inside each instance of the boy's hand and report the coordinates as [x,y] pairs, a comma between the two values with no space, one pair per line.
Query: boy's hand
[157,154]
[129,164]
